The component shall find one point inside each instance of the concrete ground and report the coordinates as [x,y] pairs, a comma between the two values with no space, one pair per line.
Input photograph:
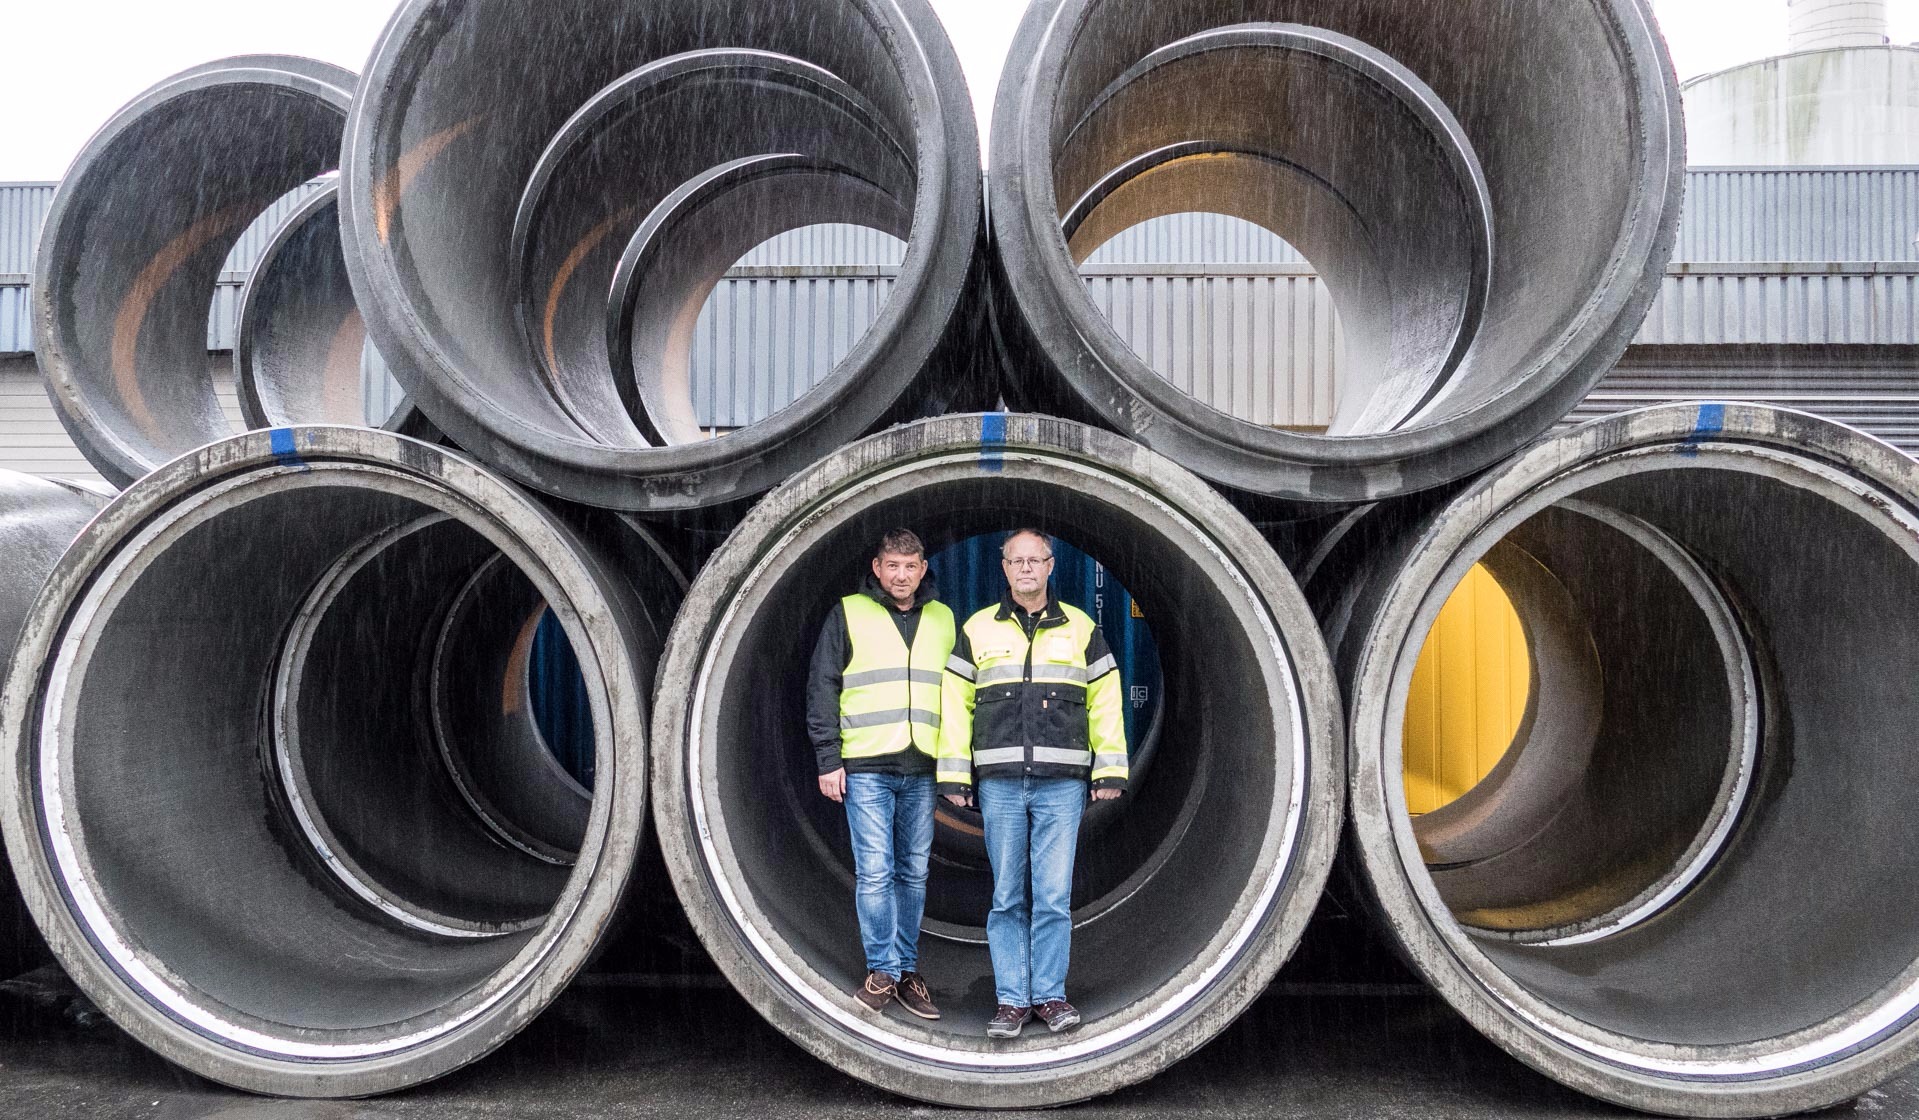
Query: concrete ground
[616,1047]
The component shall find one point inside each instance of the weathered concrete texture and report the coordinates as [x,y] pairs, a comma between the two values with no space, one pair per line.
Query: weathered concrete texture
[384,894]
[1735,779]
[1523,224]
[609,1050]
[483,256]
[120,304]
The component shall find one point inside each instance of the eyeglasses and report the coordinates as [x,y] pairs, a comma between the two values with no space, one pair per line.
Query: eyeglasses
[1025,561]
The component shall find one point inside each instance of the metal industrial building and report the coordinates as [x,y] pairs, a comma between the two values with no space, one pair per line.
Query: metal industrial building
[1796,283]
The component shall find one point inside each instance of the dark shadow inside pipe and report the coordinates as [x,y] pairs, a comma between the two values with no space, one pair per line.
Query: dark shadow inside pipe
[1165,873]
[1773,900]
[316,864]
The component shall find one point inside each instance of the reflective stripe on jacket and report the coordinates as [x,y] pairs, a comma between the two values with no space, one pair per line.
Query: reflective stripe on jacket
[891,698]
[1049,705]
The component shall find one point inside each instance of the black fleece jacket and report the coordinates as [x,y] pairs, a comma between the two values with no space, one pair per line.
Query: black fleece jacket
[831,654]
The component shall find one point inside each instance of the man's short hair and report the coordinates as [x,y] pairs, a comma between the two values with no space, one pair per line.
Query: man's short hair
[1018,533]
[900,542]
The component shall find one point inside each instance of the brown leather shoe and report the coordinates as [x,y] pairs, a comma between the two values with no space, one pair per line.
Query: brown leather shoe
[1007,1021]
[1058,1015]
[877,992]
[913,996]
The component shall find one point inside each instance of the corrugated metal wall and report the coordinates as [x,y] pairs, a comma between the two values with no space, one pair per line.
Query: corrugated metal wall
[1785,305]
[1264,348]
[1777,256]
[1800,214]
[1467,696]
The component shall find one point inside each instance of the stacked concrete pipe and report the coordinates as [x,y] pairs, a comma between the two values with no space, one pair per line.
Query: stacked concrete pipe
[1686,886]
[1233,830]
[133,243]
[532,265]
[38,519]
[1493,230]
[273,786]
[300,350]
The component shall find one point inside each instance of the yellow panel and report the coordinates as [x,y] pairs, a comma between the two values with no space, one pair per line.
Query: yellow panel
[1468,694]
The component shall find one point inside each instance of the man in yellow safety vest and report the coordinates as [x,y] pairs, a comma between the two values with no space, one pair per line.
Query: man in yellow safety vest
[874,703]
[1036,693]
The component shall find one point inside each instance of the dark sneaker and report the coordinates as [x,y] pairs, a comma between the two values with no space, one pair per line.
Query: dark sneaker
[1058,1015]
[913,996]
[1007,1021]
[877,992]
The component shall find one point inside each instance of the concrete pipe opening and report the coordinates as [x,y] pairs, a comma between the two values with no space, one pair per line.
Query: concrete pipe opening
[1186,902]
[534,267]
[277,791]
[1491,239]
[134,242]
[301,355]
[1686,886]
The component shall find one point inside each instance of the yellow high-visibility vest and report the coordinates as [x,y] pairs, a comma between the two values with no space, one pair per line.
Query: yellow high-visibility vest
[890,695]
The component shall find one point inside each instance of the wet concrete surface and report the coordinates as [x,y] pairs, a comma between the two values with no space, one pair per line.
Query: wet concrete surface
[633,1047]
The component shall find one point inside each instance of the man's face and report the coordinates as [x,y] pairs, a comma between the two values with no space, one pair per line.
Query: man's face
[899,575]
[1028,564]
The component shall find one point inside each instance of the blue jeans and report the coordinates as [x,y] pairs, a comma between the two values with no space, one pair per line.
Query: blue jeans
[891,817]
[1032,834]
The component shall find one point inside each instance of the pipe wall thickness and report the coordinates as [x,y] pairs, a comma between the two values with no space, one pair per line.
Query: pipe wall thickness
[1686,887]
[1232,830]
[38,519]
[274,785]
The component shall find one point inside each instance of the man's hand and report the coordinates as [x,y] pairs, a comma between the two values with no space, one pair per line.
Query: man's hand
[1106,795]
[957,800]
[833,786]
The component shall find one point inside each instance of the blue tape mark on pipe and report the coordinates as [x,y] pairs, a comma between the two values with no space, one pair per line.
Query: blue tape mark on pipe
[992,442]
[1710,422]
[285,448]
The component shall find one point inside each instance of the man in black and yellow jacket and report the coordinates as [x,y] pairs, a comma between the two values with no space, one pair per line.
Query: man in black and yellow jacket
[1036,694]
[874,707]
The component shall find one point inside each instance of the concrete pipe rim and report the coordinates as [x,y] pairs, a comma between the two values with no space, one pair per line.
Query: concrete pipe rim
[1045,283]
[139,994]
[113,455]
[1817,1066]
[1200,998]
[927,294]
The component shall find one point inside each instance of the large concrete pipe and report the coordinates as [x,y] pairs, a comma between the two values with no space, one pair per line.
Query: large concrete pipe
[38,519]
[533,265]
[134,240]
[1186,901]
[274,786]
[299,356]
[1687,886]
[1489,189]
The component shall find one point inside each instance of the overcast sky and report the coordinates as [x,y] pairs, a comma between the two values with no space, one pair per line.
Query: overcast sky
[71,63]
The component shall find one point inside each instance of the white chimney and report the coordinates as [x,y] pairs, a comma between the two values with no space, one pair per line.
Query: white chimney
[1818,24]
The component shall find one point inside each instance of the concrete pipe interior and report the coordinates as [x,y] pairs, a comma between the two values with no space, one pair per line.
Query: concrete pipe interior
[1168,887]
[301,354]
[305,812]
[1486,236]
[134,242]
[534,266]
[1692,870]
